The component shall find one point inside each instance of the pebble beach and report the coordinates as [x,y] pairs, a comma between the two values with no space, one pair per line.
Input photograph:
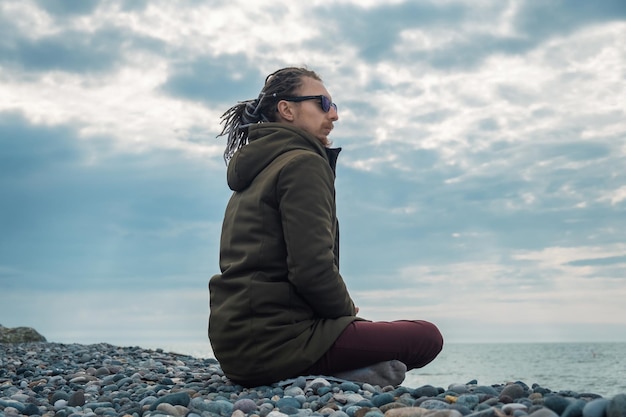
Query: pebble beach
[72,380]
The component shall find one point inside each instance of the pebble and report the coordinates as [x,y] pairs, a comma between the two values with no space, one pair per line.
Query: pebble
[514,391]
[434,405]
[458,388]
[406,412]
[60,380]
[556,403]
[513,407]
[544,412]
[617,406]
[574,409]
[382,399]
[426,391]
[468,400]
[246,405]
[596,407]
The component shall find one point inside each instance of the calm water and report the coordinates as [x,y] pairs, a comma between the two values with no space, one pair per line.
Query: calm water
[599,368]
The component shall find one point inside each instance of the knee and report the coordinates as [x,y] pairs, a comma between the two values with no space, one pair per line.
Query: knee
[431,342]
[435,337]
[438,337]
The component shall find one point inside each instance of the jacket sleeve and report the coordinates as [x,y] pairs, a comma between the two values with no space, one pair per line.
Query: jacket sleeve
[306,195]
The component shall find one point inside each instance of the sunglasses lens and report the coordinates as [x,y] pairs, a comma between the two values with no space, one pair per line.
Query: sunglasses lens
[327,104]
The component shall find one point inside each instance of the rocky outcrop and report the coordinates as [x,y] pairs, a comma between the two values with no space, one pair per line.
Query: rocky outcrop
[20,335]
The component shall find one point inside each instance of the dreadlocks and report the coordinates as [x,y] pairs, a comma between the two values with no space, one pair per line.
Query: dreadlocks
[236,120]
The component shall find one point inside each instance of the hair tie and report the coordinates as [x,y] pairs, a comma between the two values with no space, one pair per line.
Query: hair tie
[252,111]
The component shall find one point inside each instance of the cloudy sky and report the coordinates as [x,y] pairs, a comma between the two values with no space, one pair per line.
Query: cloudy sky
[481,186]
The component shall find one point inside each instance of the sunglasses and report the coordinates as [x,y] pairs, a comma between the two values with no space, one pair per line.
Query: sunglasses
[325,102]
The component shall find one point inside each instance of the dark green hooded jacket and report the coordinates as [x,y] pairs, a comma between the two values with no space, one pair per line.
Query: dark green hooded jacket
[279,303]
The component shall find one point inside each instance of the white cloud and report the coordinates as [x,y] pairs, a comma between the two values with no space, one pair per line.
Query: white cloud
[541,289]
[125,105]
[31,21]
[615,196]
[570,76]
[561,257]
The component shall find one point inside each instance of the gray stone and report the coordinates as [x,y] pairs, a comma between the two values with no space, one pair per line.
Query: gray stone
[373,413]
[574,409]
[349,386]
[59,395]
[199,404]
[468,400]
[177,398]
[514,391]
[246,405]
[30,410]
[348,398]
[101,404]
[220,407]
[293,391]
[318,383]
[77,399]
[488,412]
[286,402]
[512,407]
[368,387]
[617,406]
[443,413]
[543,412]
[458,388]
[149,400]
[338,413]
[556,403]
[596,408]
[20,335]
[434,405]
[12,403]
[426,391]
[300,382]
[382,399]
[485,389]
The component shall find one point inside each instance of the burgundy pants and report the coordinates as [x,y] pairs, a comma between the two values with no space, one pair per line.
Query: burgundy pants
[364,343]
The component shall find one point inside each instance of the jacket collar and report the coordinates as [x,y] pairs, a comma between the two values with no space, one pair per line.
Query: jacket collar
[333,154]
[266,142]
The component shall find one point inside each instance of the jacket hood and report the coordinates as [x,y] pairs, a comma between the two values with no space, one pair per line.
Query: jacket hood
[267,141]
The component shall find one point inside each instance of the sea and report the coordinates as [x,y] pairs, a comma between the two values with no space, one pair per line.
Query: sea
[598,368]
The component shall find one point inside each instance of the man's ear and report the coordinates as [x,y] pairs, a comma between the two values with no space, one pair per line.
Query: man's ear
[285,111]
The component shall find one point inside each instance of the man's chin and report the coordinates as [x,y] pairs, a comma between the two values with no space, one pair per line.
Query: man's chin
[325,141]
